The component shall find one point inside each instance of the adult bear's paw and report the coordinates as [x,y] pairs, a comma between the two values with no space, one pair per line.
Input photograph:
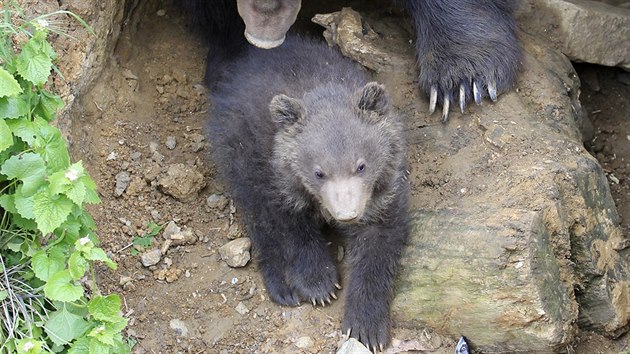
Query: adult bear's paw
[467,50]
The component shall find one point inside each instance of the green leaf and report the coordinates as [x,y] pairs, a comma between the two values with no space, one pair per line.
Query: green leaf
[7,202]
[53,149]
[48,105]
[106,332]
[6,137]
[8,84]
[24,129]
[29,346]
[61,287]
[96,347]
[97,254]
[13,107]
[45,265]
[77,265]
[80,346]
[76,193]
[24,205]
[105,308]
[63,326]
[50,210]
[3,295]
[28,168]
[34,62]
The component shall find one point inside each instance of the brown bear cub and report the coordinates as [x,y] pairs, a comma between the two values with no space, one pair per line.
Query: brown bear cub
[305,143]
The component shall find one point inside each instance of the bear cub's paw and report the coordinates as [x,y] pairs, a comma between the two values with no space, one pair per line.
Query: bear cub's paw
[366,326]
[279,289]
[315,278]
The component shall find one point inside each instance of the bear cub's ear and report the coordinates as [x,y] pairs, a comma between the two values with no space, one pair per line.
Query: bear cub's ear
[374,98]
[286,110]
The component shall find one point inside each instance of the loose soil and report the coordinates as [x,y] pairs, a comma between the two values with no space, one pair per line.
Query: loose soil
[152,91]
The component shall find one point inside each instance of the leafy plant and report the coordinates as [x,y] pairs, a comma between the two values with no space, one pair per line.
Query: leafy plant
[146,240]
[47,238]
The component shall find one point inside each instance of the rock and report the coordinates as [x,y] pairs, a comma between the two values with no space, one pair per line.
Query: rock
[136,186]
[171,142]
[122,181]
[353,346]
[355,38]
[217,201]
[124,280]
[241,308]
[585,31]
[181,181]
[169,275]
[180,328]
[514,228]
[186,237]
[236,253]
[234,232]
[304,343]
[151,257]
[170,229]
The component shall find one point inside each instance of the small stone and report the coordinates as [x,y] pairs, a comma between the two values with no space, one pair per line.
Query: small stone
[236,253]
[234,232]
[155,214]
[217,201]
[122,181]
[153,147]
[135,156]
[186,237]
[112,156]
[180,76]
[179,327]
[169,275]
[151,257]
[241,308]
[125,279]
[304,342]
[181,181]
[161,12]
[353,346]
[171,142]
[170,229]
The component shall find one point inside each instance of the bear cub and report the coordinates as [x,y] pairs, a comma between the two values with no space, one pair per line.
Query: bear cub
[307,143]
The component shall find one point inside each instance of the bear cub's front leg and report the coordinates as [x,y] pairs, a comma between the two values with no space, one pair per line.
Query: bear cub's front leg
[295,261]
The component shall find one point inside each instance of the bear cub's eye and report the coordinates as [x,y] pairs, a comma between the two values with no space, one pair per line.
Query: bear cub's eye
[319,174]
[361,167]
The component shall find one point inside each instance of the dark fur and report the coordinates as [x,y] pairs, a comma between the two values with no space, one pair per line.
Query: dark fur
[458,41]
[266,158]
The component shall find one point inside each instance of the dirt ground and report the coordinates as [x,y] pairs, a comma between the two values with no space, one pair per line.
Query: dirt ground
[147,112]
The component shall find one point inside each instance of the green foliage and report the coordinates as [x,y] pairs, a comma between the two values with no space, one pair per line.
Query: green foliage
[47,238]
[146,240]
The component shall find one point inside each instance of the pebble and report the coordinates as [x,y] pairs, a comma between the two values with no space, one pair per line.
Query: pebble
[241,308]
[181,181]
[234,232]
[304,342]
[171,142]
[236,253]
[122,182]
[217,201]
[179,327]
[170,229]
[151,257]
[353,346]
[161,12]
